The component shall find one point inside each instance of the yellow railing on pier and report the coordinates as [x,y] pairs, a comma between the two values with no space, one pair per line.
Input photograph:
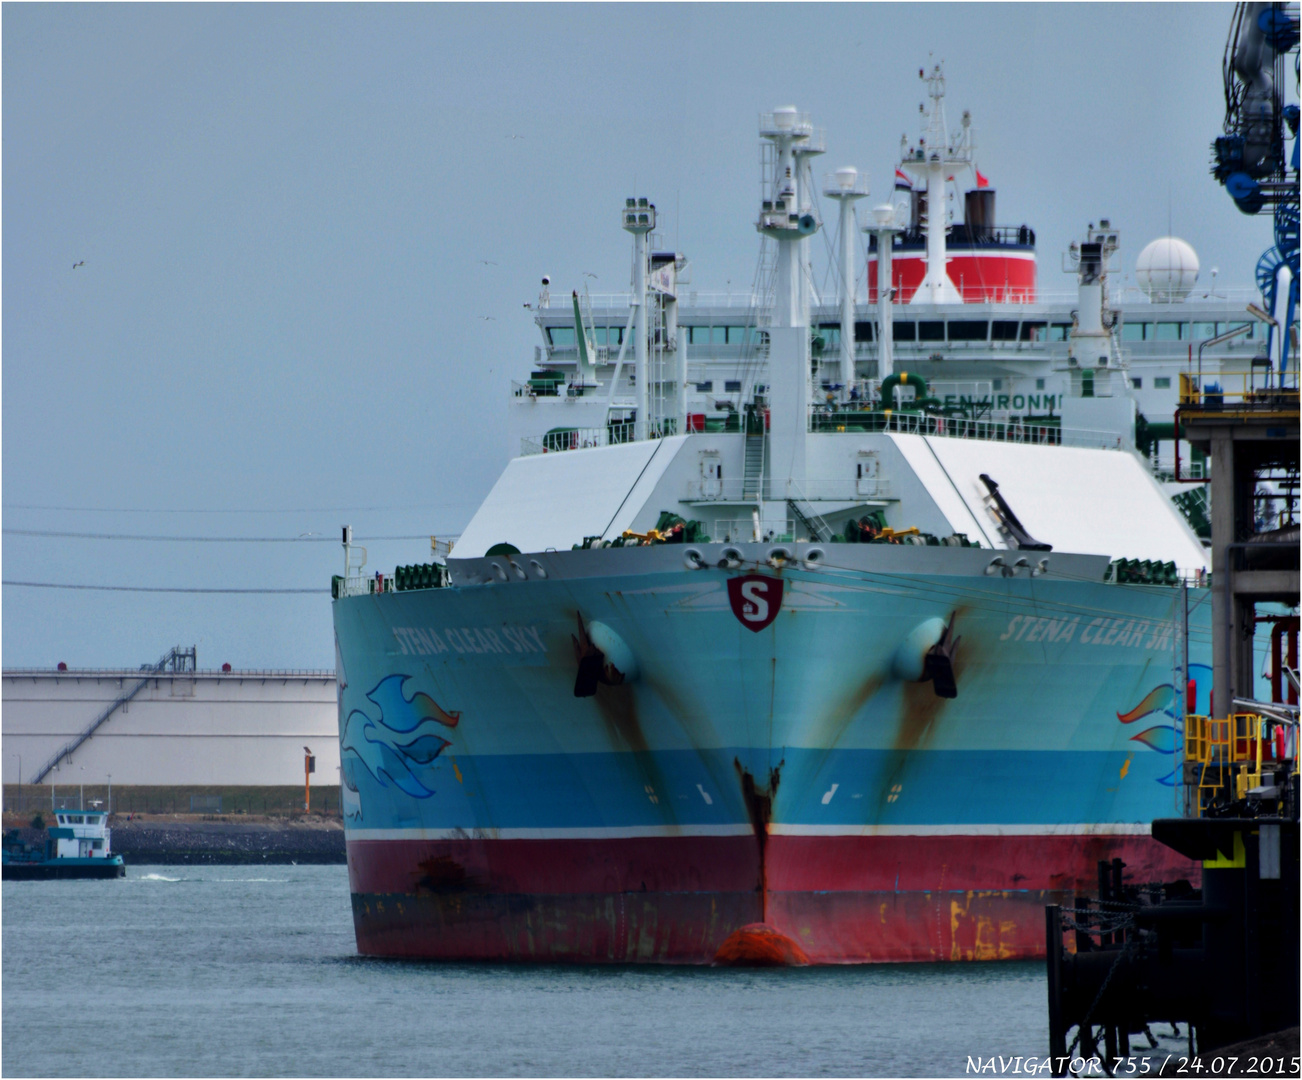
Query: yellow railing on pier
[1252,388]
[1221,748]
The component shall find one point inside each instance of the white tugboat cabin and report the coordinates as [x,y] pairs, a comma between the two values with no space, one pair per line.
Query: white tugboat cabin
[81,834]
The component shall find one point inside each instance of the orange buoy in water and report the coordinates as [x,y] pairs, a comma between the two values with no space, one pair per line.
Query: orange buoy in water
[760,945]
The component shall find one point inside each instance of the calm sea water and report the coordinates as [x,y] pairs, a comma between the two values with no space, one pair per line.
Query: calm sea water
[239,971]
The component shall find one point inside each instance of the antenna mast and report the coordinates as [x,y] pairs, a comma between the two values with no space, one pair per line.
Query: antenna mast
[934,159]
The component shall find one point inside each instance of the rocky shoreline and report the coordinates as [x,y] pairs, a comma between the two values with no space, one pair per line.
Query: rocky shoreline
[162,841]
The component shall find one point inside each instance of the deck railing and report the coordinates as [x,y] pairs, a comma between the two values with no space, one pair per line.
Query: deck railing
[840,489]
[576,439]
[1228,296]
[823,419]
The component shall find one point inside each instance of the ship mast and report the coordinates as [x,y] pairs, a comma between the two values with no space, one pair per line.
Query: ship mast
[784,218]
[639,218]
[846,187]
[884,228]
[934,159]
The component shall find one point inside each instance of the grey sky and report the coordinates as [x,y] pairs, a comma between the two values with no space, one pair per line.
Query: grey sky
[283,213]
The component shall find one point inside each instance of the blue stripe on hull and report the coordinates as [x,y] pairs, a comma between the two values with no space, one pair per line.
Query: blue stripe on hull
[872,787]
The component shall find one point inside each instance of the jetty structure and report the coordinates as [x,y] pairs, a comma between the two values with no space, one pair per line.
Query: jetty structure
[1218,950]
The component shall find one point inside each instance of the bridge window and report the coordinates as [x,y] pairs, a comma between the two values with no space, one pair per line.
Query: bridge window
[906,331]
[1059,331]
[1166,331]
[1034,331]
[863,331]
[1003,330]
[718,335]
[1133,331]
[561,337]
[609,336]
[931,331]
[1201,331]
[967,331]
[1162,382]
[1225,327]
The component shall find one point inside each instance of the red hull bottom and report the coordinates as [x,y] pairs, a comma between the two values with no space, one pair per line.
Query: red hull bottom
[676,900]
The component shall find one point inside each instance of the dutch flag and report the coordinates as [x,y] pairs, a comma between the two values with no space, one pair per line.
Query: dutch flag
[902,182]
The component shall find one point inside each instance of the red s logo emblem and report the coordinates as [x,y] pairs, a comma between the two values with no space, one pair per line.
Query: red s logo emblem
[755,600]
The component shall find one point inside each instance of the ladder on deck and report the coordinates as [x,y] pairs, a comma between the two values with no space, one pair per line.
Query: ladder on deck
[752,485]
[817,528]
[175,659]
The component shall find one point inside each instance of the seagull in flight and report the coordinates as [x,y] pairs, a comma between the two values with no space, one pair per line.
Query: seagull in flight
[513,136]
[77,264]
[488,318]
[488,262]
[593,276]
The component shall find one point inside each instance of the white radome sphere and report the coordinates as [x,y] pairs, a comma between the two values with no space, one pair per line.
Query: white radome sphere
[1166,270]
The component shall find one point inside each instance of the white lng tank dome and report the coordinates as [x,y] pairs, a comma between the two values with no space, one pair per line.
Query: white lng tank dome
[1166,270]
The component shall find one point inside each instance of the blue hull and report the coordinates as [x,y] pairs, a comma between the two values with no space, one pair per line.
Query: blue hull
[459,723]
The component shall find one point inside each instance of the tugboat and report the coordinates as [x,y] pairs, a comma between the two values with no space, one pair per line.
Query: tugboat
[78,847]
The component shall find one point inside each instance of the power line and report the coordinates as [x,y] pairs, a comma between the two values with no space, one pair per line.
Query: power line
[209,510]
[207,539]
[153,588]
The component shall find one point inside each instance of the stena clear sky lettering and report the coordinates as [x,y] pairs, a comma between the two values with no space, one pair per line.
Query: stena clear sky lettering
[469,640]
[1123,632]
